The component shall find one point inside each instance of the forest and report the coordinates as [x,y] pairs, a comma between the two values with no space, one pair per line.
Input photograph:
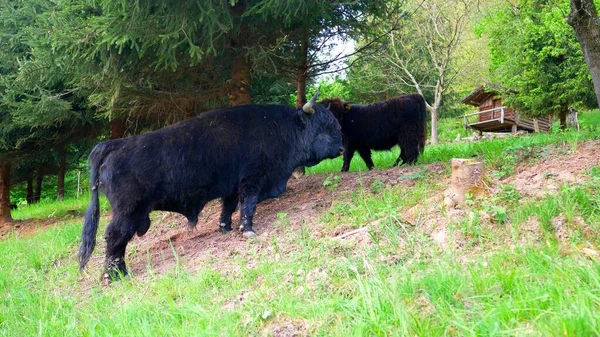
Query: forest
[364,252]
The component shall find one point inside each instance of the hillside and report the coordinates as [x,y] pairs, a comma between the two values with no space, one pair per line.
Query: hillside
[359,253]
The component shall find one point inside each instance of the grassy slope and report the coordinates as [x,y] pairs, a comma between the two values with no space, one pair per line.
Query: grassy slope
[402,284]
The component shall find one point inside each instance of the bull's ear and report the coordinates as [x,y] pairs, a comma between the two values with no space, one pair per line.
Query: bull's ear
[347,106]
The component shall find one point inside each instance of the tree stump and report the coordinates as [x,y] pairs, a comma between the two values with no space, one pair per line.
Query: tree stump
[467,177]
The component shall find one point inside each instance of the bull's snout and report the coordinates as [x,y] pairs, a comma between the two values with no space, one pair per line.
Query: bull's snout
[341,150]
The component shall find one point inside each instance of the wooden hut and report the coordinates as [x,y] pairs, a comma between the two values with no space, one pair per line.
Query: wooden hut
[493,116]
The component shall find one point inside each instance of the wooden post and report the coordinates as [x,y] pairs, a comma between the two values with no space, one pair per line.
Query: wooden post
[78,183]
[29,196]
[513,128]
[536,125]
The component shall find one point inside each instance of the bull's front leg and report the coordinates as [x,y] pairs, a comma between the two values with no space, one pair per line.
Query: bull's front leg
[247,209]
[348,154]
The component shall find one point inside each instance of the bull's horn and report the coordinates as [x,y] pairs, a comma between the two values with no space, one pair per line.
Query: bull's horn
[309,106]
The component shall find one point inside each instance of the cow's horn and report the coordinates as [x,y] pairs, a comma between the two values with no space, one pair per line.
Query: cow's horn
[309,106]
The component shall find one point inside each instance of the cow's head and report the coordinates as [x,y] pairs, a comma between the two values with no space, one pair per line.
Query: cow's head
[337,106]
[324,132]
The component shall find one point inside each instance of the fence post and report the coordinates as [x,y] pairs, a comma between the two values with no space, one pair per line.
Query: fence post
[78,183]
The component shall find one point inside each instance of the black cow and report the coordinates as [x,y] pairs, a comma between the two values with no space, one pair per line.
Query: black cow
[380,126]
[242,154]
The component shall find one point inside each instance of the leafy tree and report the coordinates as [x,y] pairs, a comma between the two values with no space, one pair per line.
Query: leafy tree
[38,113]
[536,57]
[586,23]
[306,50]
[422,55]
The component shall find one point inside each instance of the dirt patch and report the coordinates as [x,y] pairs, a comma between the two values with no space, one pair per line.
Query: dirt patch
[169,242]
[286,327]
[559,166]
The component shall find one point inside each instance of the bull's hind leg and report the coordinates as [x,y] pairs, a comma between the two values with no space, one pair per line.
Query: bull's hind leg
[118,234]
[409,151]
[365,154]
[228,204]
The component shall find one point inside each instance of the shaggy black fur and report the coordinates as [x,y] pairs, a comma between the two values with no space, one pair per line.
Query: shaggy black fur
[380,126]
[243,154]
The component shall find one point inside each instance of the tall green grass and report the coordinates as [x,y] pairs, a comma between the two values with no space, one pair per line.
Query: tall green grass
[69,207]
[403,285]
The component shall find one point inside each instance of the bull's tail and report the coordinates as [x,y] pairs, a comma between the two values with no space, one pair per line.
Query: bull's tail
[422,123]
[92,214]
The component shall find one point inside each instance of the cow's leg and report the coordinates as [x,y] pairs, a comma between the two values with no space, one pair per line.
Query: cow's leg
[247,209]
[192,214]
[249,191]
[365,154]
[409,148]
[118,233]
[408,154]
[229,204]
[348,154]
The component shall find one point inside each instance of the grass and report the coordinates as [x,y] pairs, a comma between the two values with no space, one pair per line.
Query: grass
[69,207]
[498,282]
[327,289]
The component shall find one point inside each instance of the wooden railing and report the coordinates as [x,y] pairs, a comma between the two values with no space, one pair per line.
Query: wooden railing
[497,114]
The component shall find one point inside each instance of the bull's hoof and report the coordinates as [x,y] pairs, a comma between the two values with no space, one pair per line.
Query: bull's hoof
[224,228]
[249,234]
[112,276]
[191,225]
[106,279]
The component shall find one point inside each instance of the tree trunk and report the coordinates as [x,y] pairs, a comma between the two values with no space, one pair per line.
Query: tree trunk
[241,82]
[117,128]
[300,101]
[5,192]
[37,195]
[584,20]
[29,197]
[60,189]
[302,73]
[434,125]
[301,98]
[301,77]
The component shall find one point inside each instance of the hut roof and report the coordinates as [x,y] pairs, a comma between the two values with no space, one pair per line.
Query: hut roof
[481,93]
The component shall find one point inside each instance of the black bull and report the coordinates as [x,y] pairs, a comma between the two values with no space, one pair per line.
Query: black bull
[242,154]
[379,126]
